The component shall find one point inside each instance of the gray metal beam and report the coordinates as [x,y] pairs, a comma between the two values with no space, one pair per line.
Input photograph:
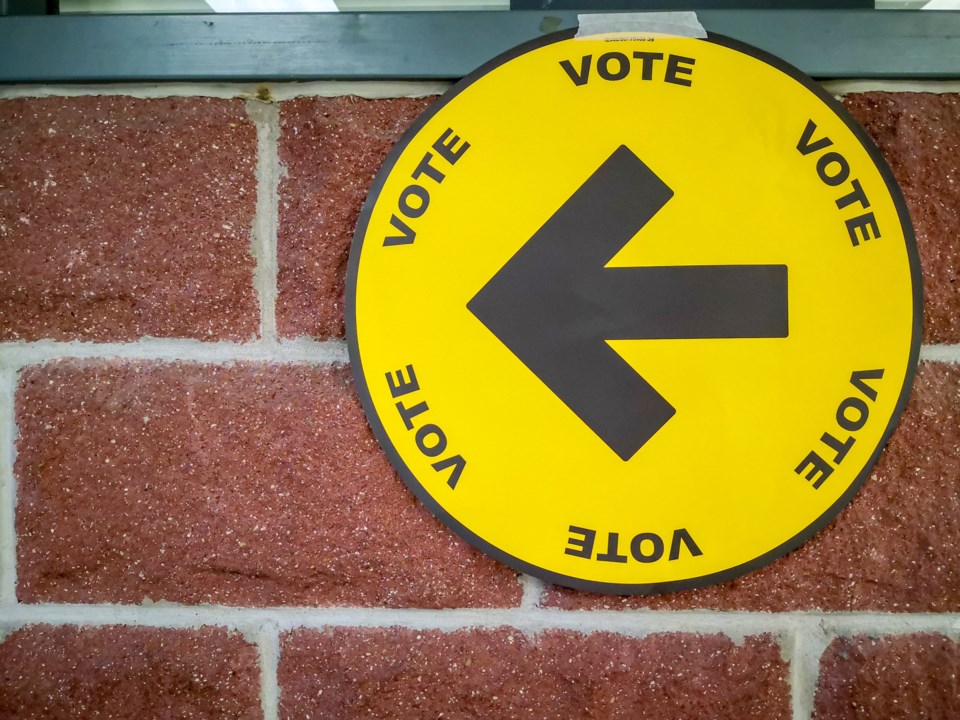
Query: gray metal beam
[654,5]
[442,45]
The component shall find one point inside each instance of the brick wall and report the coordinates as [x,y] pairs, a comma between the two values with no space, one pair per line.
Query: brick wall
[195,520]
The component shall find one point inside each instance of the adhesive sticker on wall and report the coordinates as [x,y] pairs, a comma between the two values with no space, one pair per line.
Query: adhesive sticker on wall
[634,315]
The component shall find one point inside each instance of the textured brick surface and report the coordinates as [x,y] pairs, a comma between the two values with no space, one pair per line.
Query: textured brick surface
[895,548]
[244,484]
[127,672]
[395,673]
[894,678]
[331,148]
[121,218]
[919,134]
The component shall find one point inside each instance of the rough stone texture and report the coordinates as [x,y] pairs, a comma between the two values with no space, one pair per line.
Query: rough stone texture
[397,673]
[896,547]
[919,134]
[116,672]
[909,677]
[331,148]
[121,218]
[245,484]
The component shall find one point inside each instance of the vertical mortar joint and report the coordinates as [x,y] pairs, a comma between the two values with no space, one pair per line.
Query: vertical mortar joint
[8,488]
[268,645]
[265,116]
[803,648]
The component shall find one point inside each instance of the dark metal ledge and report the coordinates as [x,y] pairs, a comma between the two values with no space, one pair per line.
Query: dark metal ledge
[447,45]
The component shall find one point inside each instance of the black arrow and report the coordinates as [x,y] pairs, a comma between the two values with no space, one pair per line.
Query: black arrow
[554,304]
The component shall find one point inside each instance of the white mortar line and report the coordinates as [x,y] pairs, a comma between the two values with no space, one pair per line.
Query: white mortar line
[532,591]
[635,623]
[137,90]
[300,350]
[372,89]
[805,646]
[266,118]
[268,644]
[878,624]
[940,353]
[843,87]
[8,488]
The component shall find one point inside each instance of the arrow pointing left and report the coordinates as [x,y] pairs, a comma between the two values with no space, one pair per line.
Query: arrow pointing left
[554,304]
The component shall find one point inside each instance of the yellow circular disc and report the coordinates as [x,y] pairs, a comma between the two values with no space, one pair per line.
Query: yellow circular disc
[634,315]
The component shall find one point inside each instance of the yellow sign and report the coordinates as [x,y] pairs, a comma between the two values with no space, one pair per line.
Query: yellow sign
[634,315]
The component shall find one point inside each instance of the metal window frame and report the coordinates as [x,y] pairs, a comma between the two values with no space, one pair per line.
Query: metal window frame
[432,45]
[639,5]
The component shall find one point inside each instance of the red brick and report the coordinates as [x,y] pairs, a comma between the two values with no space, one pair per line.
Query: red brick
[121,218]
[397,673]
[919,134]
[331,148]
[243,484]
[896,547]
[117,672]
[909,677]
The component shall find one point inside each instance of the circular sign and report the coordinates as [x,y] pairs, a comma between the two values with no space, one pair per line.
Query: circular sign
[634,315]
